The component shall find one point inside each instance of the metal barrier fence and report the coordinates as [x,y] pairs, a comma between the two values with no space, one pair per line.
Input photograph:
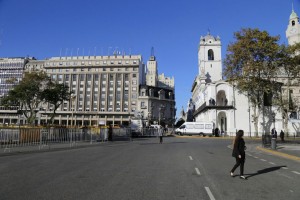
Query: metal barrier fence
[150,132]
[30,139]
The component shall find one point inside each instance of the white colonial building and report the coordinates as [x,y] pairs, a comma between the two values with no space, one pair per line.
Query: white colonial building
[216,100]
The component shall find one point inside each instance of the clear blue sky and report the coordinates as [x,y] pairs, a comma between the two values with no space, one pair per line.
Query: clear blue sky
[41,28]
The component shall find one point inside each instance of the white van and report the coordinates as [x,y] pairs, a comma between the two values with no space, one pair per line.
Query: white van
[195,128]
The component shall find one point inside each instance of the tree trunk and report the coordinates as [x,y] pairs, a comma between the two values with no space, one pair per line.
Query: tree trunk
[255,120]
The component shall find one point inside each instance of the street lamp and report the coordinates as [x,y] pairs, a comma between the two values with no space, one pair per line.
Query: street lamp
[273,116]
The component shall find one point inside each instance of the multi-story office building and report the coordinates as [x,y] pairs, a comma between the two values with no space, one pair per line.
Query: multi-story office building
[105,89]
[11,73]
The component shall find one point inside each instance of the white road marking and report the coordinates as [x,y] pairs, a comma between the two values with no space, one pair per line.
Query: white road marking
[249,154]
[211,196]
[255,157]
[272,163]
[190,157]
[284,168]
[197,171]
[296,172]
[263,160]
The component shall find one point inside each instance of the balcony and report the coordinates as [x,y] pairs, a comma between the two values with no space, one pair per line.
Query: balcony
[205,107]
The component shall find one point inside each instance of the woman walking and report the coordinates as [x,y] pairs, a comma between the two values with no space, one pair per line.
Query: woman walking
[239,153]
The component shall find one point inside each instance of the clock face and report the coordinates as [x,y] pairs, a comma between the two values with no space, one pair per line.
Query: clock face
[293,30]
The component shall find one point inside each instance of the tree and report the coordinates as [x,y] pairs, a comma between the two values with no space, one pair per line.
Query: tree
[288,70]
[55,94]
[27,94]
[250,64]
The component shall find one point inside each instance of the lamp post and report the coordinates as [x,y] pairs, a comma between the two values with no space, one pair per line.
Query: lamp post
[274,115]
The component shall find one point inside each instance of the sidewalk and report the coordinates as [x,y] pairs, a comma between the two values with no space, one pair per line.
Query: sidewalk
[289,149]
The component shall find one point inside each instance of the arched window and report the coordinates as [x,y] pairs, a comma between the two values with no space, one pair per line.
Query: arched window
[211,54]
[293,23]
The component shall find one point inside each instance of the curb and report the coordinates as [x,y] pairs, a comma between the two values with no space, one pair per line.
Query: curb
[284,155]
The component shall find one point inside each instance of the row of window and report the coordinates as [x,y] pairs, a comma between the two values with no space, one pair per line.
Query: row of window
[104,62]
[92,69]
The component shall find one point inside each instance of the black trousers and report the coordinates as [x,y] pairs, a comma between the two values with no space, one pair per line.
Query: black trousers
[239,162]
[160,139]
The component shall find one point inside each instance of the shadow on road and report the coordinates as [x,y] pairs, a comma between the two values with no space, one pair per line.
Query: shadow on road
[153,143]
[263,171]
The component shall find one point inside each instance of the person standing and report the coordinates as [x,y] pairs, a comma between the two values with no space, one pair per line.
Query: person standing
[110,133]
[239,153]
[282,136]
[274,133]
[160,134]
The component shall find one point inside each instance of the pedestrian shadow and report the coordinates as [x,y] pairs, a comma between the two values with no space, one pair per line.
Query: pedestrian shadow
[154,143]
[264,171]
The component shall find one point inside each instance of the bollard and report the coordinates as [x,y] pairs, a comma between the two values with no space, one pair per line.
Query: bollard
[273,143]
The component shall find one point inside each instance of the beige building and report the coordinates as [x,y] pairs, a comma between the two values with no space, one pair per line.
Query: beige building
[105,89]
[11,73]
[157,97]
[157,80]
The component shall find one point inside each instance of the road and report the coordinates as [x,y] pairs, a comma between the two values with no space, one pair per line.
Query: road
[180,168]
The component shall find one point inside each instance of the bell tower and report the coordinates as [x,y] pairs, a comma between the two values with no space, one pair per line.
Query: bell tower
[209,58]
[293,29]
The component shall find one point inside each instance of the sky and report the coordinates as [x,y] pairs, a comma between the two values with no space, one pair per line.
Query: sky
[48,28]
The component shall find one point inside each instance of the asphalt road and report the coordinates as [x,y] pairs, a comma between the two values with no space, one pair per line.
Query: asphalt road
[180,168]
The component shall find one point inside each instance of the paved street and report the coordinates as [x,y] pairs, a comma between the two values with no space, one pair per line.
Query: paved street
[180,168]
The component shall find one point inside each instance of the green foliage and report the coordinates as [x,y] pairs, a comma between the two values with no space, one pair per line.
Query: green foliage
[251,64]
[34,89]
[55,94]
[252,60]
[255,61]
[27,94]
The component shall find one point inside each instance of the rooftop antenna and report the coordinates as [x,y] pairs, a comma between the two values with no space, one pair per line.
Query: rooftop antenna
[152,51]
[152,57]
[60,53]
[66,53]
[95,49]
[77,52]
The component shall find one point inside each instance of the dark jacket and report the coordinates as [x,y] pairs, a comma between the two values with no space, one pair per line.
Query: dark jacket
[239,148]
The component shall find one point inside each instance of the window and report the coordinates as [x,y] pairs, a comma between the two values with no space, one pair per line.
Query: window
[199,126]
[210,54]
[208,126]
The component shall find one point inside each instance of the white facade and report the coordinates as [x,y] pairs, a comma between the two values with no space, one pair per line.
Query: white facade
[293,29]
[219,102]
[209,57]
